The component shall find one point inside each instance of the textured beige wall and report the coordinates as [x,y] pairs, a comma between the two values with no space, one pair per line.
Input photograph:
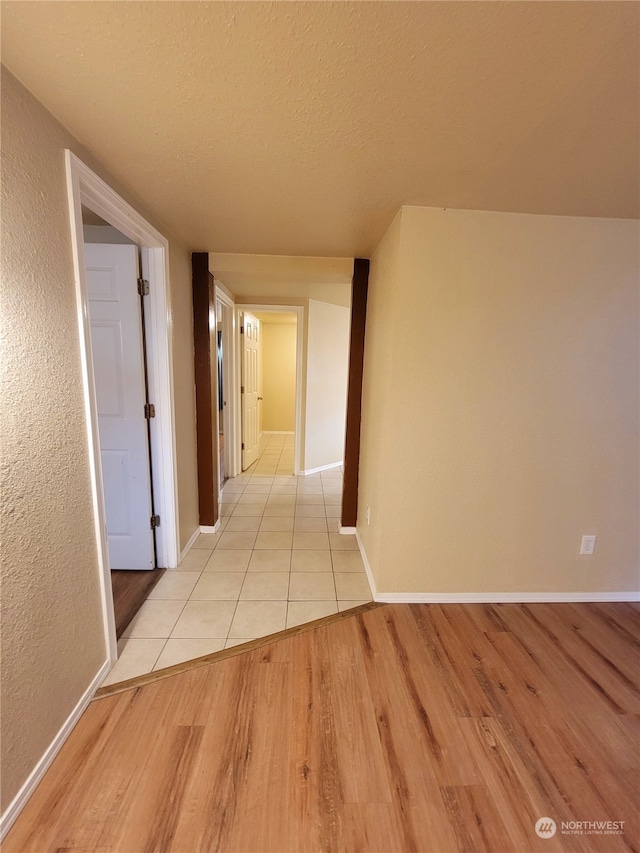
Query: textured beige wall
[279,377]
[510,425]
[52,634]
[327,368]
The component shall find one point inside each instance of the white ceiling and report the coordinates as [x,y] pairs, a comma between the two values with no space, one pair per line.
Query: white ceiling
[299,128]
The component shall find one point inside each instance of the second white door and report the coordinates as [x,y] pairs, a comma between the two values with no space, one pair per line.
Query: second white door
[250,379]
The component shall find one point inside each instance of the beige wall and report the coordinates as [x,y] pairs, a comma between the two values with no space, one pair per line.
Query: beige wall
[52,634]
[327,368]
[500,404]
[279,377]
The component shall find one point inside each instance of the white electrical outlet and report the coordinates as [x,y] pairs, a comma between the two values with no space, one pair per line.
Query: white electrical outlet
[588,544]
[368,515]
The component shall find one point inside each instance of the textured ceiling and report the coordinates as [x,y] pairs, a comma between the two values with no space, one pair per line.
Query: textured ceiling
[299,128]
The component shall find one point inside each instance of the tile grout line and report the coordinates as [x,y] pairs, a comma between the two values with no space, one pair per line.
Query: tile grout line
[255,476]
[325,490]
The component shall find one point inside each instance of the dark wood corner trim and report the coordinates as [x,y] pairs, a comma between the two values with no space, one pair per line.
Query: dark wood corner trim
[359,289]
[203,305]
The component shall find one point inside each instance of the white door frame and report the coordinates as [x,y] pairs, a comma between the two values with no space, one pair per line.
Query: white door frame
[298,442]
[229,326]
[85,187]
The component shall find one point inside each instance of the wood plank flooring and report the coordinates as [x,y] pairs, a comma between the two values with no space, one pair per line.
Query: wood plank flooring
[403,729]
[130,591]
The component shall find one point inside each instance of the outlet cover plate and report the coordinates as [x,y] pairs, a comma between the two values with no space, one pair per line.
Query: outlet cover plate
[588,544]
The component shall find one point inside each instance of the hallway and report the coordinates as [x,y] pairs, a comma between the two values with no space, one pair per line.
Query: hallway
[278,561]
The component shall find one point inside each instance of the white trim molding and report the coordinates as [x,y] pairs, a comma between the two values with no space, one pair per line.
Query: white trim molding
[367,566]
[20,800]
[278,432]
[207,528]
[348,531]
[502,597]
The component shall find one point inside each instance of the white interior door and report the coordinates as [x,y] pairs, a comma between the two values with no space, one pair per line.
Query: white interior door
[250,373]
[118,366]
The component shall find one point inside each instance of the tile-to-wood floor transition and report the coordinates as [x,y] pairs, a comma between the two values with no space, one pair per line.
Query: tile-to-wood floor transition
[278,561]
[418,728]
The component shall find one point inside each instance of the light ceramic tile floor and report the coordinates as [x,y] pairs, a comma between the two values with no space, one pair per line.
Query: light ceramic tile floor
[278,561]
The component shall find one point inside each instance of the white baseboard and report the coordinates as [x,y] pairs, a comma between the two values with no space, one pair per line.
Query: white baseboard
[502,597]
[348,531]
[485,597]
[189,544]
[367,567]
[277,432]
[20,800]
[202,529]
[321,468]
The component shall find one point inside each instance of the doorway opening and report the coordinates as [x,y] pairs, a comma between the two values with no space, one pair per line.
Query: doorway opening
[118,357]
[222,468]
[113,270]
[224,383]
[86,189]
[277,380]
[271,389]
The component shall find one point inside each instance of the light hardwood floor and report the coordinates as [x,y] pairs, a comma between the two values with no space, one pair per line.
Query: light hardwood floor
[420,728]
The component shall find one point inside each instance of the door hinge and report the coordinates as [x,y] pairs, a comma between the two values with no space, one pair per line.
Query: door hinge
[242,330]
[143,287]
[242,389]
[155,521]
[149,410]
[243,445]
